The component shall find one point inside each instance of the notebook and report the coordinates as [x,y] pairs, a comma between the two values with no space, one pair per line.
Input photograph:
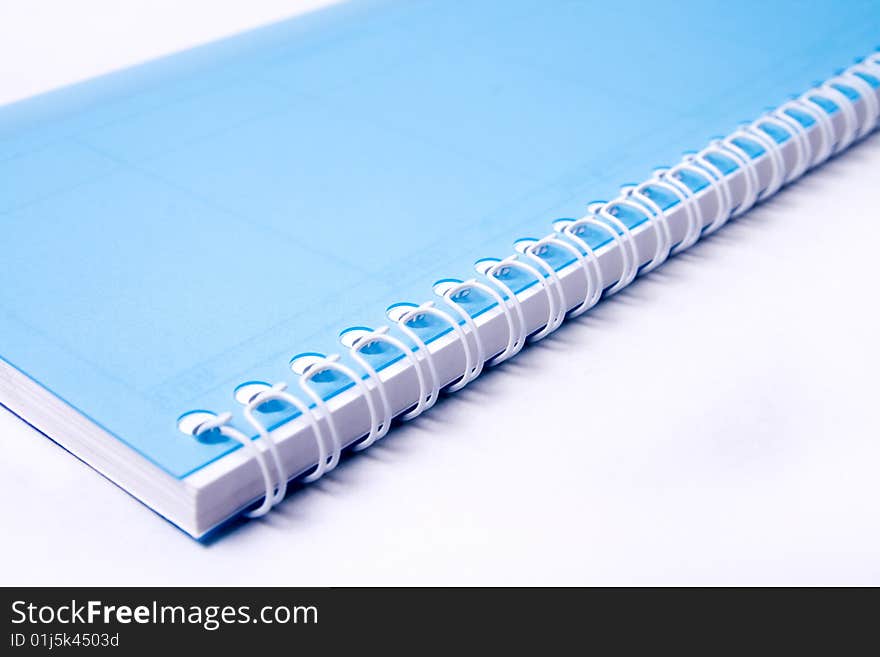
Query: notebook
[228,268]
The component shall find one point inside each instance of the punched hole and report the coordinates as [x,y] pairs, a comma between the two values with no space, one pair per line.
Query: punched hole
[351,336]
[302,362]
[443,286]
[189,424]
[245,393]
[483,266]
[397,311]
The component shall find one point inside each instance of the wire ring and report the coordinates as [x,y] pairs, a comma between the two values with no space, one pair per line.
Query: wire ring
[378,383]
[630,262]
[279,392]
[587,259]
[514,344]
[468,355]
[592,275]
[743,163]
[774,152]
[749,168]
[552,315]
[866,91]
[800,133]
[220,424]
[848,112]
[797,130]
[722,185]
[571,230]
[685,198]
[493,273]
[331,364]
[657,258]
[511,298]
[535,248]
[696,220]
[657,220]
[428,308]
[828,120]
[661,218]
[531,251]
[430,399]
[381,335]
[477,364]
[803,159]
[826,129]
[634,197]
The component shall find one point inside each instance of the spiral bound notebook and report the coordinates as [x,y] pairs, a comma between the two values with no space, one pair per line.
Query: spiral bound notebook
[225,267]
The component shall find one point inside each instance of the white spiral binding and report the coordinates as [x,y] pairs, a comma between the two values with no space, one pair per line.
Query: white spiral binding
[796,129]
[265,437]
[723,187]
[847,110]
[656,219]
[428,308]
[798,136]
[534,250]
[570,230]
[515,339]
[744,164]
[629,253]
[450,289]
[828,121]
[800,163]
[378,386]
[331,364]
[493,274]
[774,152]
[869,120]
[822,119]
[490,269]
[220,424]
[587,263]
[599,215]
[427,396]
[685,198]
[695,219]
[278,392]
[866,91]
[749,168]
[448,294]
[658,257]
[381,335]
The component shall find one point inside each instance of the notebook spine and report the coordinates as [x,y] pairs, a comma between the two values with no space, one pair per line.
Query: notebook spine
[807,144]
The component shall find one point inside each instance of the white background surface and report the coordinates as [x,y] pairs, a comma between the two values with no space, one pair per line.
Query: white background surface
[713,424]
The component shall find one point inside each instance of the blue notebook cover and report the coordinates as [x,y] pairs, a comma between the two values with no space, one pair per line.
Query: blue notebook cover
[176,229]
